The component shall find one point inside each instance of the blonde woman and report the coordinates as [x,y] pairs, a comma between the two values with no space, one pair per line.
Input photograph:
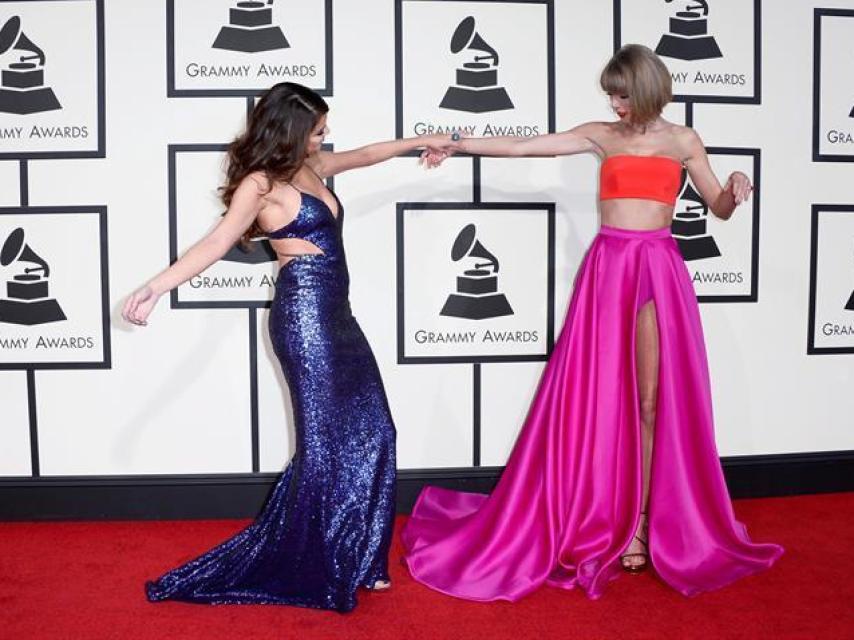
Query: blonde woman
[615,467]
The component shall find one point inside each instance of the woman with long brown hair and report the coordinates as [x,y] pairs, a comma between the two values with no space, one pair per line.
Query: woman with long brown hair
[326,528]
[616,465]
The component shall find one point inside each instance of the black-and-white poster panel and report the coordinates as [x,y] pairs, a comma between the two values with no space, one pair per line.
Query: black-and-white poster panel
[712,47]
[242,47]
[722,256]
[51,79]
[462,66]
[833,85]
[831,314]
[475,282]
[54,296]
[245,276]
[241,278]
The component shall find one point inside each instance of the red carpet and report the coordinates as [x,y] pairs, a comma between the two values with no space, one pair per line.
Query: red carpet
[84,580]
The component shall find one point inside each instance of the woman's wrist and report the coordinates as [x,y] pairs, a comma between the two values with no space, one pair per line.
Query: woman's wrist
[153,287]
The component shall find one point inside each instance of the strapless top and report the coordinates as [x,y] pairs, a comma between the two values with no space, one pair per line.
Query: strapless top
[645,177]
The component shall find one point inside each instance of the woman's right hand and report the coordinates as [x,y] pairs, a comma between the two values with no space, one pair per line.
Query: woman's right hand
[437,150]
[139,305]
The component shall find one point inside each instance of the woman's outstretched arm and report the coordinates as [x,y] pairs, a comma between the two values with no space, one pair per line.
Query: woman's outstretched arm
[328,163]
[245,205]
[580,139]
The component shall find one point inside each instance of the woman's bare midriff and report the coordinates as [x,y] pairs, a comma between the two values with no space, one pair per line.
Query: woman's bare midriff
[635,214]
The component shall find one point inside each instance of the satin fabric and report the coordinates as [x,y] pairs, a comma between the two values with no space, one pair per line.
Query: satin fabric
[568,502]
[647,177]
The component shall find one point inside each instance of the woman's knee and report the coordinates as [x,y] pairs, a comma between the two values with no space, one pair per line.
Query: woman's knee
[647,410]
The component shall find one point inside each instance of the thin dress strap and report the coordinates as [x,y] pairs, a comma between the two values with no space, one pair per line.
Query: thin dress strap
[317,174]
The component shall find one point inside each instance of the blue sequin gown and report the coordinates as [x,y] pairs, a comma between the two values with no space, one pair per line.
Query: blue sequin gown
[326,527]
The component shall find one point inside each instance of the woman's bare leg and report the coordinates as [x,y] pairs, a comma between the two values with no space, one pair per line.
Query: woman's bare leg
[647,375]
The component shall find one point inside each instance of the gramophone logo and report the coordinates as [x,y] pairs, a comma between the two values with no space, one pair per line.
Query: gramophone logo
[477,296]
[831,292]
[22,83]
[833,86]
[476,89]
[688,38]
[689,224]
[849,306]
[27,300]
[250,29]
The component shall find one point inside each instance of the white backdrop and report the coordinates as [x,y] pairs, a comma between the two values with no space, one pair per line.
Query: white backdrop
[176,397]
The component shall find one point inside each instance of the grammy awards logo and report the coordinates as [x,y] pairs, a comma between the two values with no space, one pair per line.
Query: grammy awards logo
[849,306]
[477,89]
[689,225]
[688,38]
[28,301]
[250,29]
[22,86]
[477,296]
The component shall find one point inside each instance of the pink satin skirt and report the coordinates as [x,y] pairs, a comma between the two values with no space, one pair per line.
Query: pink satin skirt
[568,502]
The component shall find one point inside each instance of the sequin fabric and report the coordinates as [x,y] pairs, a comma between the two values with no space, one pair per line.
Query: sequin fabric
[326,528]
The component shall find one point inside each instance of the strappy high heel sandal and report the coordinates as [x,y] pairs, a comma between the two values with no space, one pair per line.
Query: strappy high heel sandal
[635,569]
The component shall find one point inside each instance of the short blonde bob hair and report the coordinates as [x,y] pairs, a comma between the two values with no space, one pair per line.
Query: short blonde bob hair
[635,71]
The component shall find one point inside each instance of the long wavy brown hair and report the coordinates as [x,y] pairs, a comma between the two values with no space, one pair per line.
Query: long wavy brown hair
[275,141]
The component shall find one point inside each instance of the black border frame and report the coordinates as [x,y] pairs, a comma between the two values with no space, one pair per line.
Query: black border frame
[100,151]
[817,156]
[756,98]
[816,209]
[546,207]
[172,92]
[753,296]
[101,212]
[398,59]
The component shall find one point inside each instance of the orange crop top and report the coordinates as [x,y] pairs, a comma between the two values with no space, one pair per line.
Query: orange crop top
[645,177]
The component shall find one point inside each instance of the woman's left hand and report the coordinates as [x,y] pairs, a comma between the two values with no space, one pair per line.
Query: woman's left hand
[738,184]
[139,305]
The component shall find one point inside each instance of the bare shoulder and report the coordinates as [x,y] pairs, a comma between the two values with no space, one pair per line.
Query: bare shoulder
[256,183]
[590,127]
[595,132]
[687,140]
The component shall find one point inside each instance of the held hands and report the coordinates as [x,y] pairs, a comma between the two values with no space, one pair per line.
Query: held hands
[738,185]
[139,305]
[438,148]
